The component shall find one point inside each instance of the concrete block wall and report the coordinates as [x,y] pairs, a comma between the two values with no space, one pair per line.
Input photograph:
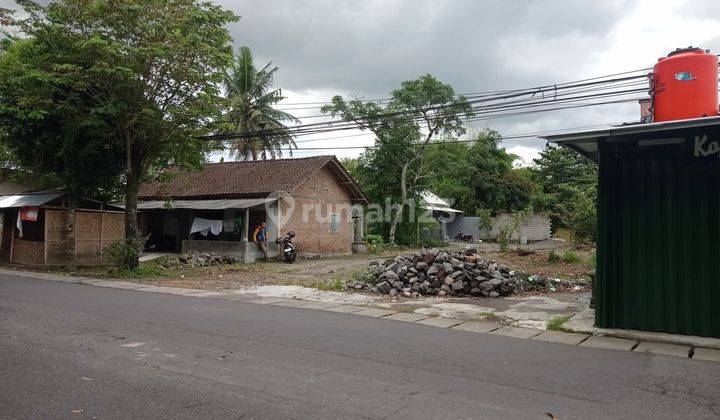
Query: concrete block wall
[536,228]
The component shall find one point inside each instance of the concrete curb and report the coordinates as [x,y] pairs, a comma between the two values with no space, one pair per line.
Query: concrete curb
[584,326]
[623,340]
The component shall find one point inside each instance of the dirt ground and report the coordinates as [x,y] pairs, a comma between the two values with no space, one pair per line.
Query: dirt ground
[539,263]
[330,273]
[321,273]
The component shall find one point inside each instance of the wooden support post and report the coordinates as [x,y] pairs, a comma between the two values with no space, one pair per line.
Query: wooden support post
[246,223]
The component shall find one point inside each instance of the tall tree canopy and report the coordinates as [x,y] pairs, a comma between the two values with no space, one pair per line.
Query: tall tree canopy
[418,112]
[250,110]
[568,183]
[478,175]
[154,75]
[48,126]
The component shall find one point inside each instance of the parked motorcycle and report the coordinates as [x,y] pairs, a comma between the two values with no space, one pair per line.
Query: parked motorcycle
[288,248]
[461,237]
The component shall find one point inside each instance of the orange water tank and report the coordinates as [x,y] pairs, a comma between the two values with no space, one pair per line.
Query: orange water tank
[685,85]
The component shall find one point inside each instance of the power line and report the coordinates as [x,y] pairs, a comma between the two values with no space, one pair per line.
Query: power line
[481,93]
[468,141]
[339,125]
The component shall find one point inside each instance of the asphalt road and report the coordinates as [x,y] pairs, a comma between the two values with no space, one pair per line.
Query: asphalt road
[78,351]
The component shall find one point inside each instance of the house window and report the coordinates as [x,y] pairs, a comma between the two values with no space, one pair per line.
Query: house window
[334,223]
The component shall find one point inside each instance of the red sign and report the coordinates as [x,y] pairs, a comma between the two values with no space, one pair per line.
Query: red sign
[29,214]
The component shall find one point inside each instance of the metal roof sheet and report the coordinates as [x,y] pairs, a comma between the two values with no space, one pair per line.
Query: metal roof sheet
[242,203]
[441,208]
[26,200]
[585,142]
[622,130]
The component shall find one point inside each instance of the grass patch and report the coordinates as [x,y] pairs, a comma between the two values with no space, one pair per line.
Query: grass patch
[336,284]
[570,257]
[142,272]
[366,275]
[492,317]
[556,324]
[592,261]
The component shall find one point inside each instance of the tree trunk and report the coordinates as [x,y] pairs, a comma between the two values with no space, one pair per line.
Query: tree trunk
[403,199]
[132,187]
[132,230]
[71,249]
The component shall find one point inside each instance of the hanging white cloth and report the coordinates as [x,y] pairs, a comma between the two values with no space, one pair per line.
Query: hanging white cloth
[206,225]
[19,224]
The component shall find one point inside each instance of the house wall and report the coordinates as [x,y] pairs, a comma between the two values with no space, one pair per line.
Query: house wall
[537,227]
[308,214]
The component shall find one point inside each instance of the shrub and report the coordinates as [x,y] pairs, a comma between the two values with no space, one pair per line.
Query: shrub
[553,257]
[375,243]
[513,226]
[571,257]
[122,254]
[580,215]
[505,233]
[484,221]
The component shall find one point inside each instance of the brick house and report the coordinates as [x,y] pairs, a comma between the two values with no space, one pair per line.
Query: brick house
[217,208]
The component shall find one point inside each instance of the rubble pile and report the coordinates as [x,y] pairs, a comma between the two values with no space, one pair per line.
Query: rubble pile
[432,272]
[456,273]
[202,259]
[544,284]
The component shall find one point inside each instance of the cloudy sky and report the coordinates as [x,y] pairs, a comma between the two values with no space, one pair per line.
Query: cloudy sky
[366,48]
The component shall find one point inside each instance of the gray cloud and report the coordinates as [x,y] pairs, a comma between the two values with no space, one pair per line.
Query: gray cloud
[368,48]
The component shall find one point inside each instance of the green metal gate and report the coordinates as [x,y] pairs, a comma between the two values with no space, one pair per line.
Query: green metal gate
[658,238]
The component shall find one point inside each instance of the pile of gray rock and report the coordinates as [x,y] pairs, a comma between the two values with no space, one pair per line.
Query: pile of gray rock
[202,259]
[434,272]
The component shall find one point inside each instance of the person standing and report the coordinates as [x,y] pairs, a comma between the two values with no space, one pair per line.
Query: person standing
[260,237]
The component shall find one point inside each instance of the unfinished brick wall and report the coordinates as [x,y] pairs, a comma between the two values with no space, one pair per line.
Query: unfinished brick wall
[314,201]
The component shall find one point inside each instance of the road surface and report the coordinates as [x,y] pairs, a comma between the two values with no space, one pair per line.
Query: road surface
[79,351]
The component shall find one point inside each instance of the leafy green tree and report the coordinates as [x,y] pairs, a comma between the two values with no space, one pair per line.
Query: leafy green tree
[48,127]
[568,184]
[153,72]
[350,165]
[450,173]
[250,101]
[418,112]
[478,174]
[378,171]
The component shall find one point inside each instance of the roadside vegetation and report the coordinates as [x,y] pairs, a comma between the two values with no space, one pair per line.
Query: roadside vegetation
[556,324]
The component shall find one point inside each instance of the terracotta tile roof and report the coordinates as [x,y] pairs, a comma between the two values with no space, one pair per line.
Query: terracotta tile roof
[247,179]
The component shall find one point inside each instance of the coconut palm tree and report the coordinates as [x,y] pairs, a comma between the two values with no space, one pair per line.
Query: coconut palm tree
[250,110]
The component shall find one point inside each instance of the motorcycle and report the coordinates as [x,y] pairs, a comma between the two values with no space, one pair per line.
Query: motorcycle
[461,237]
[288,248]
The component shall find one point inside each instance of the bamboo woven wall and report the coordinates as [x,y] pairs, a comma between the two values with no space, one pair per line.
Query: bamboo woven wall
[29,253]
[94,230]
